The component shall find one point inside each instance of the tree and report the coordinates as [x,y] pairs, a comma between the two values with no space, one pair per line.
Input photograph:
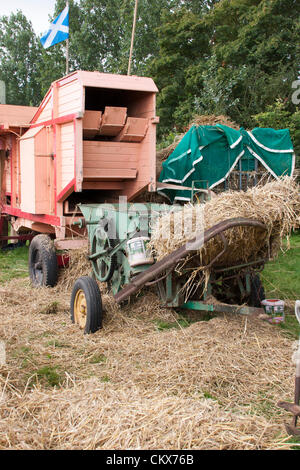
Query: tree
[20,57]
[100,33]
[233,57]
[255,52]
[177,69]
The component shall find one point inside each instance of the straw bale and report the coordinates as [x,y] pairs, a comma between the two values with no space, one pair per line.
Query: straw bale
[276,204]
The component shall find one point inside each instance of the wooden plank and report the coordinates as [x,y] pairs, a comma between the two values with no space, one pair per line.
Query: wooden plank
[78,154]
[17,116]
[67,150]
[134,130]
[96,173]
[109,158]
[104,185]
[91,123]
[113,165]
[70,98]
[109,148]
[113,120]
[95,144]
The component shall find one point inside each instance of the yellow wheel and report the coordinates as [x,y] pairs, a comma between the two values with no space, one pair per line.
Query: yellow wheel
[80,309]
[86,305]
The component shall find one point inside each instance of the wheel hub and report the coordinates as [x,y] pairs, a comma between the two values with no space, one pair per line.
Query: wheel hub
[80,309]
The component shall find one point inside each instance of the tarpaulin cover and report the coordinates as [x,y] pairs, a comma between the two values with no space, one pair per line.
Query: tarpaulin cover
[208,154]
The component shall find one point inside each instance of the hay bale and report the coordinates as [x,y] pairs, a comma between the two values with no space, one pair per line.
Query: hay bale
[276,204]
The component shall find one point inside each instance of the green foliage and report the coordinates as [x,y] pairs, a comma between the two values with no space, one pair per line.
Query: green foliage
[19,58]
[183,38]
[278,116]
[236,58]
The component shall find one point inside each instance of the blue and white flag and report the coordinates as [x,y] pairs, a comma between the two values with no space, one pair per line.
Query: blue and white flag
[58,31]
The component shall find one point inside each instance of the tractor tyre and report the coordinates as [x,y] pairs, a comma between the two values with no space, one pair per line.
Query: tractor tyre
[43,270]
[86,305]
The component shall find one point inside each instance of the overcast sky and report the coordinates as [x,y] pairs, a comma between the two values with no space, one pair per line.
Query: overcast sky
[37,11]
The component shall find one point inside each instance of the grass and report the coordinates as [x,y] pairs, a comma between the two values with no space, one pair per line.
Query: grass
[49,376]
[162,325]
[281,280]
[281,277]
[291,326]
[13,264]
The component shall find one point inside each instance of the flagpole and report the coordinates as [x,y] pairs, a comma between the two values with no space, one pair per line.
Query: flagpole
[67,49]
[132,36]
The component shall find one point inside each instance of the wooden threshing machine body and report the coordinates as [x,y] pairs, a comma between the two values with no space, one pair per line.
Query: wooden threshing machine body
[91,140]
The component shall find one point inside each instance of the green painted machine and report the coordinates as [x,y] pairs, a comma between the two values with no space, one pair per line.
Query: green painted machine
[118,237]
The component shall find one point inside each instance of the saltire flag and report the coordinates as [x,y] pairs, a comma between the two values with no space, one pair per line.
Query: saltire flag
[58,30]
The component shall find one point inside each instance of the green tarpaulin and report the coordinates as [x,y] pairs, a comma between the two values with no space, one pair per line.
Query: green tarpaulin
[208,154]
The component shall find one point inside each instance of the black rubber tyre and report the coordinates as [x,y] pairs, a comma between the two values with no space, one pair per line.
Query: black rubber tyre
[43,270]
[257,292]
[3,230]
[86,294]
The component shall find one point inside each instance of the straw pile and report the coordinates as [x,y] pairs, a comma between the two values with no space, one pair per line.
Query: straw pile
[78,266]
[134,385]
[212,120]
[276,204]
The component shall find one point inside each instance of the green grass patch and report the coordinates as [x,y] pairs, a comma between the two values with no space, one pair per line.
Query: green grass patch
[281,277]
[281,280]
[162,325]
[291,326]
[48,376]
[208,395]
[105,378]
[13,264]
[295,440]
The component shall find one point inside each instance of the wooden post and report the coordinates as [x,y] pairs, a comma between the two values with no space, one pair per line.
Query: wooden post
[67,45]
[132,36]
